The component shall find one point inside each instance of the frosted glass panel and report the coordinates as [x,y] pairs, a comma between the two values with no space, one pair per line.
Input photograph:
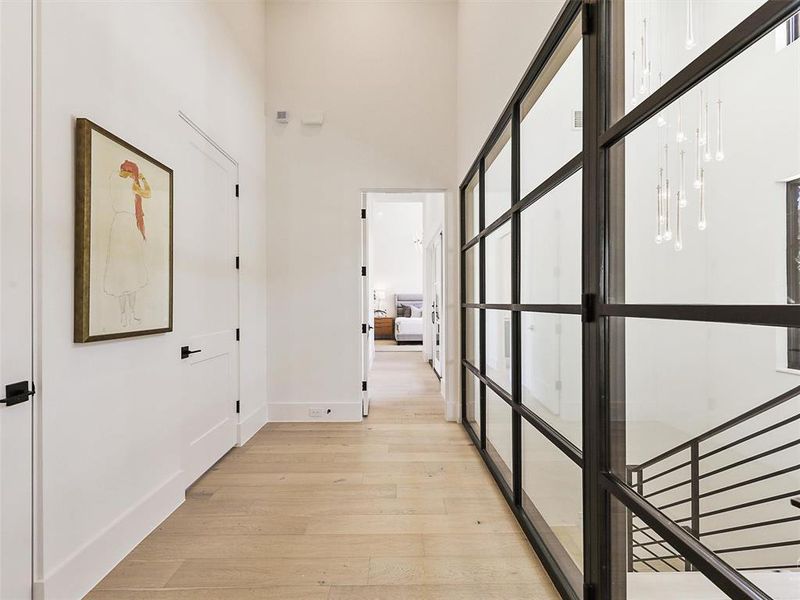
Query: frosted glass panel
[498,432]
[705,187]
[551,131]
[498,265]
[552,370]
[553,498]
[472,274]
[498,178]
[551,246]
[471,209]
[498,347]
[472,336]
[472,389]
[663,36]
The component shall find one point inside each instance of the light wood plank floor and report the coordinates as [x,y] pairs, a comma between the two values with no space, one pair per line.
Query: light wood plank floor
[399,507]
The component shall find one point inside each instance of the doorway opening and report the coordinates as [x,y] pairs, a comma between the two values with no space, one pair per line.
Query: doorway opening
[402,281]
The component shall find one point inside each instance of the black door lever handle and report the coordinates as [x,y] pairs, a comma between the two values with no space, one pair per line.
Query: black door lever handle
[185,352]
[17,393]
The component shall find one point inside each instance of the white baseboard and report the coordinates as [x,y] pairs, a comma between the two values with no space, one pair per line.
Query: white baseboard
[298,412]
[82,570]
[250,424]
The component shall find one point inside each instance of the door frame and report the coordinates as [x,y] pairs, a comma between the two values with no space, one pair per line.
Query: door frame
[364,282]
[430,283]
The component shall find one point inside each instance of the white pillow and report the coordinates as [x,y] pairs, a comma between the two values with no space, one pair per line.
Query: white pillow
[416,312]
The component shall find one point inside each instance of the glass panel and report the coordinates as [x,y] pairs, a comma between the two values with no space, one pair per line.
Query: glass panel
[498,347]
[551,130]
[552,378]
[472,336]
[472,273]
[551,246]
[648,568]
[498,177]
[471,209]
[472,389]
[498,265]
[688,389]
[498,432]
[663,36]
[553,500]
[726,150]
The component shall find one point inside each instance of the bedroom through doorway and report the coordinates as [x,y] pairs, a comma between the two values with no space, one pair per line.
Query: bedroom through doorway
[402,307]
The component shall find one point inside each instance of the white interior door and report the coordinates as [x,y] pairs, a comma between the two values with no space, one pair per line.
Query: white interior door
[208,307]
[367,312]
[436,308]
[16,317]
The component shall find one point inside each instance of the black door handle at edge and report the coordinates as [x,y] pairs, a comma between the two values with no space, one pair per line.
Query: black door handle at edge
[185,352]
[17,393]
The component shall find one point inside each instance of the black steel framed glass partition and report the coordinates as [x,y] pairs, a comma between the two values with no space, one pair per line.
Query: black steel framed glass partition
[624,317]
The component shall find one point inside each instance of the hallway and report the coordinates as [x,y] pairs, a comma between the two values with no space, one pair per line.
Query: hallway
[398,507]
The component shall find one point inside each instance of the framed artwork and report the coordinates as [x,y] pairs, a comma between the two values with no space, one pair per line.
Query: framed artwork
[123,238]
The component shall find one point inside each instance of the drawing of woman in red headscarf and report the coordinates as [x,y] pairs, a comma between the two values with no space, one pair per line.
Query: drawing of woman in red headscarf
[126,263]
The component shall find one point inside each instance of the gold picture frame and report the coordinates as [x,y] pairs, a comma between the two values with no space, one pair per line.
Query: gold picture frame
[123,238]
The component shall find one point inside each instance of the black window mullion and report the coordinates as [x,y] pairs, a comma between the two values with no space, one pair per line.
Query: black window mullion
[516,316]
[482,293]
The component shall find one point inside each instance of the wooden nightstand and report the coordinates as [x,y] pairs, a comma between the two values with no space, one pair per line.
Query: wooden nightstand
[384,328]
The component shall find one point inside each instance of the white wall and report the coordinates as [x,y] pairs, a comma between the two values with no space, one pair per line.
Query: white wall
[395,260]
[383,74]
[111,413]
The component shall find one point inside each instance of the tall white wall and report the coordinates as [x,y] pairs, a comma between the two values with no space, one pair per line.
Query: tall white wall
[383,74]
[111,412]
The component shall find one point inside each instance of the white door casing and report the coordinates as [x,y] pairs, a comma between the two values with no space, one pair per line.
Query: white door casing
[367,312]
[16,316]
[436,306]
[210,314]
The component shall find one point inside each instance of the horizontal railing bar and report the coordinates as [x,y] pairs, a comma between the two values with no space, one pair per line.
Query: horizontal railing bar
[758,547]
[749,459]
[713,567]
[741,484]
[657,559]
[765,18]
[751,526]
[674,504]
[664,558]
[773,568]
[770,315]
[750,436]
[720,511]
[668,488]
[661,543]
[652,568]
[564,172]
[667,472]
[773,402]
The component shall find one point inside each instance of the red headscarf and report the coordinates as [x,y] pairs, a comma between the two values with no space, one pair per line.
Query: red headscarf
[133,169]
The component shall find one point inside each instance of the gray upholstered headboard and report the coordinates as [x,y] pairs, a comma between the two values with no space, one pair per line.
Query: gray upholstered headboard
[407,300]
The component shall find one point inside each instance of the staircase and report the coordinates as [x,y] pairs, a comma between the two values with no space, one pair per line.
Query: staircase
[735,487]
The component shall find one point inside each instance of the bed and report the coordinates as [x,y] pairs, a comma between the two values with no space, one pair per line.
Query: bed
[408,322]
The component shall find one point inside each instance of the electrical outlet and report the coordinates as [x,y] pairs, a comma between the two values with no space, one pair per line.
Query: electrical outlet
[314,412]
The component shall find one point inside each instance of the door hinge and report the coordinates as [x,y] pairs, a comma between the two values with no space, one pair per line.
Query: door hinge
[363,386]
[363,271]
[587,19]
[237,262]
[589,308]
[363,328]
[237,190]
[363,213]
[237,334]
[237,407]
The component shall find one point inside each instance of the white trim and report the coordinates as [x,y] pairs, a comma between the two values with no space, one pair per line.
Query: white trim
[85,567]
[248,426]
[292,412]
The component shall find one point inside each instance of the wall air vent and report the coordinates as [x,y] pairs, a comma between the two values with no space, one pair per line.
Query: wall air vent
[577,119]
